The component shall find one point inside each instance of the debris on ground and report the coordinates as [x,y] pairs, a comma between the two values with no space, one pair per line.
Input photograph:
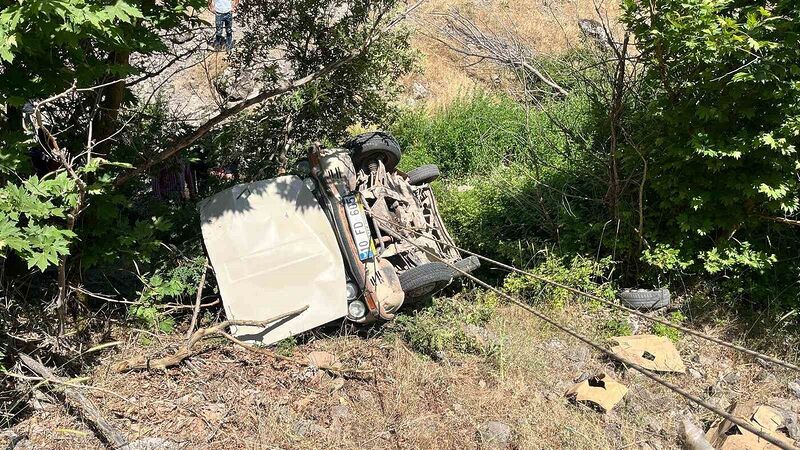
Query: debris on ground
[725,435]
[649,351]
[693,436]
[323,360]
[601,391]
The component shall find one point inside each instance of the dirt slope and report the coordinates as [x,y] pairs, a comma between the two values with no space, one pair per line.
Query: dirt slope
[545,26]
[230,398]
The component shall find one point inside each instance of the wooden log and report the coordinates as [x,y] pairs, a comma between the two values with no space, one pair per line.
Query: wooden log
[75,400]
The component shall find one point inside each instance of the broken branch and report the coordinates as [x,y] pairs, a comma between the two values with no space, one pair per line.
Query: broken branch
[189,349]
[77,401]
[199,297]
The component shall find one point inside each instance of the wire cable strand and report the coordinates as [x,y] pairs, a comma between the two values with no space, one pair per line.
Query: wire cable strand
[599,299]
[692,398]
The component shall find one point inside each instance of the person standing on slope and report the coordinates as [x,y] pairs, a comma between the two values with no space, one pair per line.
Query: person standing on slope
[223,10]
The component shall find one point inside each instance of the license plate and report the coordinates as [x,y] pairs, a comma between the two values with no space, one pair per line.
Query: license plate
[359,227]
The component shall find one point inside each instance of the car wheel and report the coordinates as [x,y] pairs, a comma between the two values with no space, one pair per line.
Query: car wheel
[423,174]
[376,145]
[645,299]
[427,279]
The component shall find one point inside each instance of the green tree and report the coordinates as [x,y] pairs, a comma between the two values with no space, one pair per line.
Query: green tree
[727,116]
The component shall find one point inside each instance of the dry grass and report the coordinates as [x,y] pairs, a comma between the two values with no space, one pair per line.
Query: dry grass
[547,27]
[229,398]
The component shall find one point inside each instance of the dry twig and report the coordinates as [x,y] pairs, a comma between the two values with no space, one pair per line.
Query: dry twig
[190,349]
[199,297]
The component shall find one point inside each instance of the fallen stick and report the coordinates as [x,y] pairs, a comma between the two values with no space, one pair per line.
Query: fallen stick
[78,402]
[196,311]
[189,348]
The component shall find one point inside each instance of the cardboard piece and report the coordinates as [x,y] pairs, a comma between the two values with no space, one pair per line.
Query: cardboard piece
[601,390]
[651,352]
[725,435]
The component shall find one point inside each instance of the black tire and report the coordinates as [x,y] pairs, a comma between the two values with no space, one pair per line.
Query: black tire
[423,174]
[467,264]
[374,145]
[645,299]
[427,279]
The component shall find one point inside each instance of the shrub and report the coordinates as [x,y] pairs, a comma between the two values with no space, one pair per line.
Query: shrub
[673,334]
[441,327]
[578,272]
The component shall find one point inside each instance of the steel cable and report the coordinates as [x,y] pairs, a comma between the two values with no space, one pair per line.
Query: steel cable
[692,398]
[599,299]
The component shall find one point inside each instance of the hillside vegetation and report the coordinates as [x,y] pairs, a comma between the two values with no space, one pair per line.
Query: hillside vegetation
[601,145]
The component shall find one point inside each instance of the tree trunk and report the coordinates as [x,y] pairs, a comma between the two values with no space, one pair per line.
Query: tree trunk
[105,123]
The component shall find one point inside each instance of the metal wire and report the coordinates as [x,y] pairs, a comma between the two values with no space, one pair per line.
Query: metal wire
[692,398]
[599,299]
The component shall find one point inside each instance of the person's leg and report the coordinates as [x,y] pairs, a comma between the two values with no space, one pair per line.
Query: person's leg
[219,22]
[229,31]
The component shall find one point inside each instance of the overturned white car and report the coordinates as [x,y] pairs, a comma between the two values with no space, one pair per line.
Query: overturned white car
[280,244]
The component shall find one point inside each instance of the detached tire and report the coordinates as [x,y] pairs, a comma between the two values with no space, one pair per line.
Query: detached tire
[467,264]
[427,279]
[423,174]
[645,299]
[374,145]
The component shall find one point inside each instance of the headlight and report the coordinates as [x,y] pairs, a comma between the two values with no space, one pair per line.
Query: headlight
[356,309]
[310,184]
[352,291]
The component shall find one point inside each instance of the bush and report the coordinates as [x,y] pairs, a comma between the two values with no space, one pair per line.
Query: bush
[579,272]
[673,334]
[441,327]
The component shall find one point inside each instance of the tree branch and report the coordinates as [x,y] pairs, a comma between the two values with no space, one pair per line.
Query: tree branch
[781,220]
[287,86]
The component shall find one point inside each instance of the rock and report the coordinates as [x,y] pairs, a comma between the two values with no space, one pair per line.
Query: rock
[794,388]
[696,374]
[579,354]
[485,338]
[495,435]
[787,404]
[732,378]
[720,402]
[581,378]
[236,86]
[305,428]
[554,344]
[614,432]
[365,396]
[654,425]
[418,91]
[152,444]
[791,421]
[9,439]
[765,376]
[340,412]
